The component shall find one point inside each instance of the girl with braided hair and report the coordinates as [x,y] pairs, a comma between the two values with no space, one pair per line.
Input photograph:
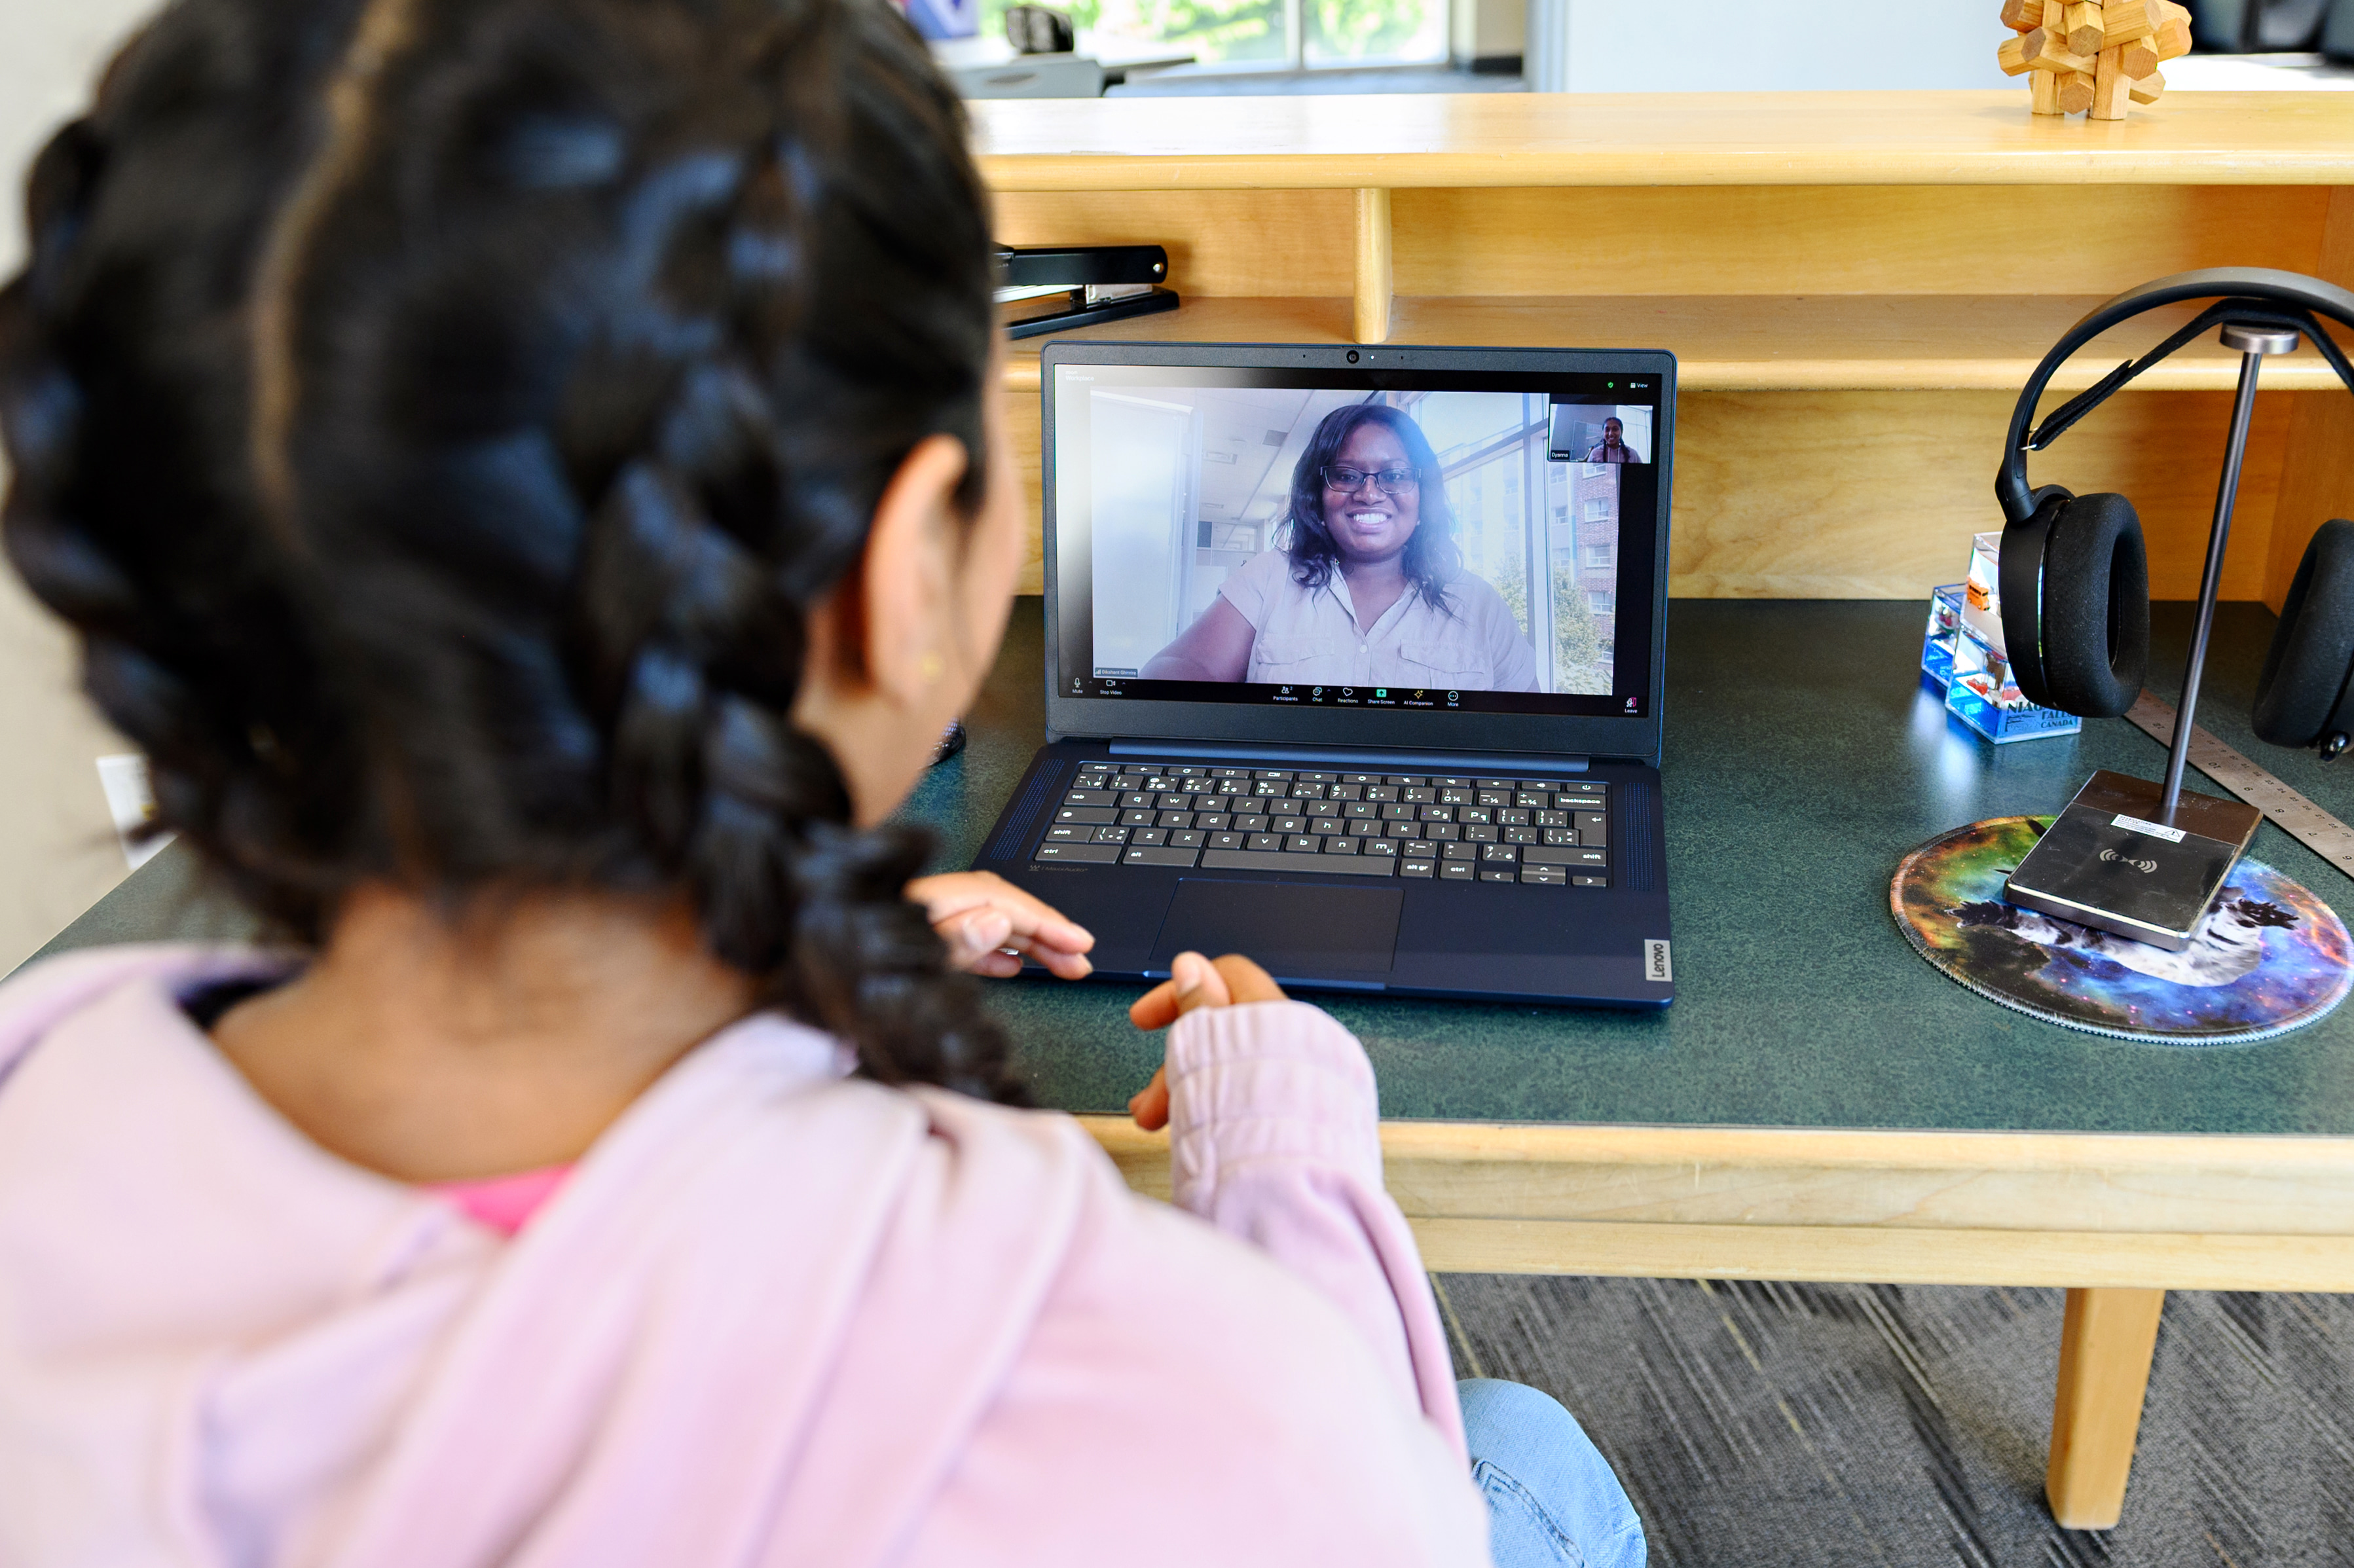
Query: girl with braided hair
[523,472]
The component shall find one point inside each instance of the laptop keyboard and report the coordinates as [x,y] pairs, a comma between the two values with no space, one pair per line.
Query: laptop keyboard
[1544,832]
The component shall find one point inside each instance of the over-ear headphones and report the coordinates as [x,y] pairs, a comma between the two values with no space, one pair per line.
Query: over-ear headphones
[2074,571]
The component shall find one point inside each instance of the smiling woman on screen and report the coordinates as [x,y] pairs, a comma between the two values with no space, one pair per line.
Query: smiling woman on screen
[1369,588]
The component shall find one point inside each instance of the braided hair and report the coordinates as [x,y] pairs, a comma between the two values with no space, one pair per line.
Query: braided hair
[439,419]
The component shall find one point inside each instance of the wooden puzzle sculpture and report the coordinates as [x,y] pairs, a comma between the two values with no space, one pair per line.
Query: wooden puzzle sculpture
[2093,58]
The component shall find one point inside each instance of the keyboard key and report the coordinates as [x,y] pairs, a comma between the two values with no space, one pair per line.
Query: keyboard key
[1532,797]
[1490,853]
[1174,819]
[1416,867]
[1090,797]
[1458,852]
[1303,844]
[1379,846]
[1272,773]
[1361,778]
[1523,835]
[1383,793]
[1497,798]
[1487,873]
[1175,802]
[1458,870]
[1136,819]
[1070,833]
[1189,838]
[1589,882]
[1593,827]
[1226,841]
[1097,854]
[1403,830]
[1458,796]
[1158,857]
[1107,835]
[1367,830]
[1153,837]
[1138,798]
[1252,860]
[1340,844]
[1562,837]
[1480,814]
[1482,833]
[1550,818]
[1250,822]
[1264,841]
[1435,813]
[1440,831]
[1230,773]
[1500,783]
[1548,854]
[1511,819]
[1090,815]
[1316,778]
[1288,824]
[1406,780]
[1543,876]
[1213,821]
[1419,797]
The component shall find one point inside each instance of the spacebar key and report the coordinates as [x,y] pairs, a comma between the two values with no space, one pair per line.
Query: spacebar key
[1284,861]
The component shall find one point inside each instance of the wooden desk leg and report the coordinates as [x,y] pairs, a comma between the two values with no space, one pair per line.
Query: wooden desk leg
[2105,1343]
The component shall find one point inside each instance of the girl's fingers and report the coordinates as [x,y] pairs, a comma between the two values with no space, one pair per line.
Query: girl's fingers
[1193,981]
[1151,1106]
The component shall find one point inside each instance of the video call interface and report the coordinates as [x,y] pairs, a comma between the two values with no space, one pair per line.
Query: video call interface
[1415,541]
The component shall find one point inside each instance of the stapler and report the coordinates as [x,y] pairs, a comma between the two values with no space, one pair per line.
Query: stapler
[1097,283]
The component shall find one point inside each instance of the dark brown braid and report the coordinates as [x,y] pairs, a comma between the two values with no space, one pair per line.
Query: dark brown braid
[440,418]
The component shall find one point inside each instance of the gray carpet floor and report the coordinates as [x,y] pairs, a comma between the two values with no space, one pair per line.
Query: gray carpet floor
[1766,1424]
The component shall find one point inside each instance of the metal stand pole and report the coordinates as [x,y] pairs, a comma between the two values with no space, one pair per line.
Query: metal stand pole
[2253,345]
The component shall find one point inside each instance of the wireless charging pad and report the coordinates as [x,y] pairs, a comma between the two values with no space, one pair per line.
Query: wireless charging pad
[2110,862]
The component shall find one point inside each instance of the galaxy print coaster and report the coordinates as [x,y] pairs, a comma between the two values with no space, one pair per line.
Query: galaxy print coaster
[2267,957]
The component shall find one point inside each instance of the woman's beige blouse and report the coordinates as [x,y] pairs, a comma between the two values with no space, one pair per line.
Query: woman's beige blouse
[1310,635]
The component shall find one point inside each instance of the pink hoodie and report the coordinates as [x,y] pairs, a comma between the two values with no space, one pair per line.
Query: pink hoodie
[777,1315]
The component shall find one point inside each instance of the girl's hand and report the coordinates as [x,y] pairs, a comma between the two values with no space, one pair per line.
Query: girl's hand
[1193,981]
[988,922]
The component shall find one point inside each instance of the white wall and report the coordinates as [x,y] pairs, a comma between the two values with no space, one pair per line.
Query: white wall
[1761,45]
[57,849]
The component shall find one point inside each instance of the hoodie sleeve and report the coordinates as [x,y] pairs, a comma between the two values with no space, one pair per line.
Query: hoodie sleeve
[1273,1139]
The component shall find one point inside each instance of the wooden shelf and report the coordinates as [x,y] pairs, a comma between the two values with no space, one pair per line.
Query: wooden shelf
[1488,139]
[1747,343]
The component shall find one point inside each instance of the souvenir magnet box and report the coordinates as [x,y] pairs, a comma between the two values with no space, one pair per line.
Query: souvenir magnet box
[1963,652]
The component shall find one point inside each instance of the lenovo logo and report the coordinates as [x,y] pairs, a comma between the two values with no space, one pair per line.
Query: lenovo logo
[1655,965]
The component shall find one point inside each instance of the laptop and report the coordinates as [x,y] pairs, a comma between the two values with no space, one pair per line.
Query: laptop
[1355,660]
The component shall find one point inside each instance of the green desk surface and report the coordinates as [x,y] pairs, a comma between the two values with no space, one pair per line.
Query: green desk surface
[1804,757]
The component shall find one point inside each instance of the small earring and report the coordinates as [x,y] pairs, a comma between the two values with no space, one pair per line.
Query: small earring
[933,668]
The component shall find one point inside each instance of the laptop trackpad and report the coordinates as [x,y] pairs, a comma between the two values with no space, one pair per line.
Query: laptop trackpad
[1292,929]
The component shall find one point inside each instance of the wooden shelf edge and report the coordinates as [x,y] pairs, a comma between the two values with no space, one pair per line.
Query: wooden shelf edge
[1501,140]
[1726,344]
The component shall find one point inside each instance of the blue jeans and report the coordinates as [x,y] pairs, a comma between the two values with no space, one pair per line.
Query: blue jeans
[1551,1497]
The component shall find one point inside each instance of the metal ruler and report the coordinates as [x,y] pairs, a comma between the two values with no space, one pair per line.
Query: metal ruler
[2291,811]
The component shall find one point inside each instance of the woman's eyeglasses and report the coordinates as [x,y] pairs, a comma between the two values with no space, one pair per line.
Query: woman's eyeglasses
[1392,479]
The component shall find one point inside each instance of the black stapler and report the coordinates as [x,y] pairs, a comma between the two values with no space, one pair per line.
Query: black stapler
[1095,284]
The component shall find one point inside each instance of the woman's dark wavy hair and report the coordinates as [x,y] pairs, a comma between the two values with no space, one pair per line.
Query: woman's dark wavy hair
[1431,559]
[438,418]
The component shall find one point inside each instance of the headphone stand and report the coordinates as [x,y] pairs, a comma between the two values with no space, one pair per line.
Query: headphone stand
[2254,342]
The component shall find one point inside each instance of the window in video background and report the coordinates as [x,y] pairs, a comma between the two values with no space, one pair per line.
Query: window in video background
[1581,433]
[1188,484]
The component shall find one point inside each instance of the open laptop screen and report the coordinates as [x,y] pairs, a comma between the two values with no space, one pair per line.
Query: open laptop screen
[1330,538]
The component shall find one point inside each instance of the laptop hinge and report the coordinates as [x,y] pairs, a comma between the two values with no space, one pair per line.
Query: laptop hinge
[1368,757]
